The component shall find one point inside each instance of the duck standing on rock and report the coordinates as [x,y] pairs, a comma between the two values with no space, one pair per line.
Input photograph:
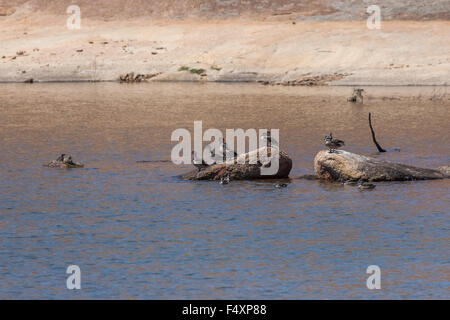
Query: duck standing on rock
[200,165]
[68,160]
[224,152]
[333,144]
[267,140]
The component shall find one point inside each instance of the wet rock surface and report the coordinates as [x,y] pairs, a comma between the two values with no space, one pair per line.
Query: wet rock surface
[346,166]
[246,170]
[445,170]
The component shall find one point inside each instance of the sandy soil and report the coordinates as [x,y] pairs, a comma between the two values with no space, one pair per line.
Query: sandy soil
[275,50]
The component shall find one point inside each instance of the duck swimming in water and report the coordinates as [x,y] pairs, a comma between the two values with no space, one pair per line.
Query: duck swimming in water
[280,185]
[350,183]
[357,96]
[333,144]
[366,186]
[224,180]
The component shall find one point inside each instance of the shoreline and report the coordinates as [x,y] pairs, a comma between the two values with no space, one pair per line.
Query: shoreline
[373,92]
[35,82]
[335,53]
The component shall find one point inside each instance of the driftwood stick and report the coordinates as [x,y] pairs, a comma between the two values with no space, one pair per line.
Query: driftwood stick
[380,149]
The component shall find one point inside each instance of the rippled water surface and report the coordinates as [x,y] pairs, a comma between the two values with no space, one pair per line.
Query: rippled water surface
[138,231]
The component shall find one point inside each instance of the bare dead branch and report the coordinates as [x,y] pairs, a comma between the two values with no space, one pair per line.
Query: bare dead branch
[380,149]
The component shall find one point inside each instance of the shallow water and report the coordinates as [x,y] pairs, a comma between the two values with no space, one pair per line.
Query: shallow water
[138,231]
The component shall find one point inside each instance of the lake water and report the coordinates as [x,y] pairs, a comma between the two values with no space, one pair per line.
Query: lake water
[137,230]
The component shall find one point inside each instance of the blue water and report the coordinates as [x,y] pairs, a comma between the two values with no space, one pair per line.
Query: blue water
[138,231]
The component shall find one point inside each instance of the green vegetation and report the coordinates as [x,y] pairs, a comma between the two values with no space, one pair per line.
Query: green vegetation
[192,70]
[216,68]
[198,71]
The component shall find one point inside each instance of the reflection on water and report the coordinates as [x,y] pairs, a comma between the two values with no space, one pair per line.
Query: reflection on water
[138,231]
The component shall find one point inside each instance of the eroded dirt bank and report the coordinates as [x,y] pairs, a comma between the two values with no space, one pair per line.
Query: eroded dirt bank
[272,50]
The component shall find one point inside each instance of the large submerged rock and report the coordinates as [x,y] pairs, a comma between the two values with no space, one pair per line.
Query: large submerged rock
[343,166]
[246,170]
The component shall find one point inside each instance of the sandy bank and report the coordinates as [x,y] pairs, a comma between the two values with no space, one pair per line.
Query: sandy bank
[304,53]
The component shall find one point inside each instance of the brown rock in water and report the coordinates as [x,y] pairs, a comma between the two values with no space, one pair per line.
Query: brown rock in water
[65,162]
[245,171]
[342,166]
